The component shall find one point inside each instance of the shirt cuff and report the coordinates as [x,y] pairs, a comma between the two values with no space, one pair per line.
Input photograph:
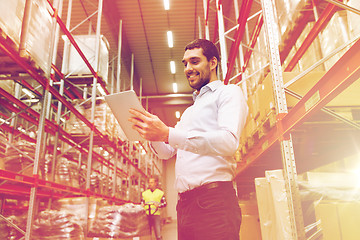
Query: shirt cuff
[177,138]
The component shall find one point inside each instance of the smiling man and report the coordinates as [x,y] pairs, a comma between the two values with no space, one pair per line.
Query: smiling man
[205,141]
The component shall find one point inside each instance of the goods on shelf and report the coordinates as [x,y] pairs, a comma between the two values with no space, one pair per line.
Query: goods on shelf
[335,34]
[257,61]
[21,162]
[4,230]
[39,35]
[7,85]
[273,206]
[75,66]
[262,116]
[338,220]
[287,11]
[12,12]
[67,173]
[330,205]
[312,54]
[104,120]
[353,19]
[37,40]
[7,232]
[3,140]
[53,224]
[78,206]
[128,220]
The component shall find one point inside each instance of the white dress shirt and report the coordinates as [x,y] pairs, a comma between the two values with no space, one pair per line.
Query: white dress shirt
[206,137]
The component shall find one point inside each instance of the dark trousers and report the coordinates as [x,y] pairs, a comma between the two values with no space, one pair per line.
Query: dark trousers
[155,223]
[209,214]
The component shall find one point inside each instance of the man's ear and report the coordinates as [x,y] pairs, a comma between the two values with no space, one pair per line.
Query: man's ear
[213,63]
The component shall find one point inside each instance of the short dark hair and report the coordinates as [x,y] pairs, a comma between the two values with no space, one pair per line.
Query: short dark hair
[209,49]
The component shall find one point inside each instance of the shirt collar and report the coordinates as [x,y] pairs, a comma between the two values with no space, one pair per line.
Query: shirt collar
[210,86]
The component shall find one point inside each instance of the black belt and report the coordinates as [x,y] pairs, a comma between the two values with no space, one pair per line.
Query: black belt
[203,188]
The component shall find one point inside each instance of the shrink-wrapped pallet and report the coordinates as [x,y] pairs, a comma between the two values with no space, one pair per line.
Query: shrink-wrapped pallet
[281,206]
[38,38]
[273,206]
[335,203]
[266,209]
[67,173]
[20,160]
[78,206]
[287,11]
[7,232]
[353,19]
[312,54]
[75,125]
[38,35]
[74,65]
[125,221]
[334,35]
[11,17]
[57,225]
[103,118]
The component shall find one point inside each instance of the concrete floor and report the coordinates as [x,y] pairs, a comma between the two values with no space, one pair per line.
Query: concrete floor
[169,232]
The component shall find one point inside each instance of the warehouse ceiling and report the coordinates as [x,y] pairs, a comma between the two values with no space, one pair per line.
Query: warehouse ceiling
[144,34]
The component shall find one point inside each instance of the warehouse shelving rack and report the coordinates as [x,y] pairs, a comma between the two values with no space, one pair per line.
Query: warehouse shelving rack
[346,71]
[17,184]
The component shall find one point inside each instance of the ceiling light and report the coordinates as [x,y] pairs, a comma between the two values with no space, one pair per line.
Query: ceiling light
[177,114]
[28,92]
[172,67]
[175,87]
[166,4]
[170,39]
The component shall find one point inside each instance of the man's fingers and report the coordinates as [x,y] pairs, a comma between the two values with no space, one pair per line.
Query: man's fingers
[140,113]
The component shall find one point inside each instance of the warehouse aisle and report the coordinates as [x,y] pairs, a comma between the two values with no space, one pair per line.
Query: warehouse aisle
[169,232]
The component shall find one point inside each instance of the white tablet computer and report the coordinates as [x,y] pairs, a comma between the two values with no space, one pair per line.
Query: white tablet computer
[120,103]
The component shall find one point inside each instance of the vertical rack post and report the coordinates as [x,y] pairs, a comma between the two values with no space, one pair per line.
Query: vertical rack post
[222,38]
[93,105]
[206,17]
[114,183]
[118,80]
[13,122]
[132,72]
[38,149]
[290,175]
[41,134]
[61,91]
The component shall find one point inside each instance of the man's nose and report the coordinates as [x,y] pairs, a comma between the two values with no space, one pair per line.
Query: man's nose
[188,67]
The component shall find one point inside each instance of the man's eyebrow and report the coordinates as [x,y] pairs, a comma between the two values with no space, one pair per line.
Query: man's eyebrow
[192,58]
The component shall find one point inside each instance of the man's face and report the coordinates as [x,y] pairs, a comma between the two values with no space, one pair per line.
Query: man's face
[152,184]
[197,68]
